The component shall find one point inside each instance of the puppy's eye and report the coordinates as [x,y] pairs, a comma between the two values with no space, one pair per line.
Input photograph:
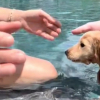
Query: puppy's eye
[82,44]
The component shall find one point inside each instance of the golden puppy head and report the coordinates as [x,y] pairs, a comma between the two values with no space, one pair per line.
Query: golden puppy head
[87,50]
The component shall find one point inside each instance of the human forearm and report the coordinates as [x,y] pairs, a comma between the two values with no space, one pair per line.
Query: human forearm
[6,13]
[37,22]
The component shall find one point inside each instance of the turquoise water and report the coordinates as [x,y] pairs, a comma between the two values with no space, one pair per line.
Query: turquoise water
[75,81]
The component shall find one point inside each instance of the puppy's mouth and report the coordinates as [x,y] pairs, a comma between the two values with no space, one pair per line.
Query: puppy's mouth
[76,60]
[87,62]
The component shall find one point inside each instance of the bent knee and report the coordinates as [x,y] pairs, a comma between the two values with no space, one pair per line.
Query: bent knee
[42,70]
[49,71]
[52,72]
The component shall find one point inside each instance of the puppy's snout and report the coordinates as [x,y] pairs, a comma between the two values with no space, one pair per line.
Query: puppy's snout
[67,52]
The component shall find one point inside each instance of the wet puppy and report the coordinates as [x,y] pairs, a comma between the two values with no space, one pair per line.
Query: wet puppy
[87,50]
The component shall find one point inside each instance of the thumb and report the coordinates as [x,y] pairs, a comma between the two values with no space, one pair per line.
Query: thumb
[10,27]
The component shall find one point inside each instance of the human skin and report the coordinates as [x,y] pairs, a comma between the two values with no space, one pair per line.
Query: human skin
[91,26]
[36,22]
[40,24]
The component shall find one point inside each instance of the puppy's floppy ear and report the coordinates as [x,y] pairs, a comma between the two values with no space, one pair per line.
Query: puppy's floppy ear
[96,49]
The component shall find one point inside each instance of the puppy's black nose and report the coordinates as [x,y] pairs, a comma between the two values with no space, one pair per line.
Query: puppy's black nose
[66,52]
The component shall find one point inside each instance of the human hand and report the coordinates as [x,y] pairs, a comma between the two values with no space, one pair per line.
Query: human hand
[91,26]
[40,23]
[9,57]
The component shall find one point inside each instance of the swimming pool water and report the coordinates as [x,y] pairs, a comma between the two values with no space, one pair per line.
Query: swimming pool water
[76,80]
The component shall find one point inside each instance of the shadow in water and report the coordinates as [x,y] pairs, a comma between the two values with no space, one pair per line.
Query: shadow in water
[62,88]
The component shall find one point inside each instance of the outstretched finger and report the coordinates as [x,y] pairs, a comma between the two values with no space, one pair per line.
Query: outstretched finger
[12,56]
[10,27]
[46,36]
[81,29]
[50,19]
[7,69]
[51,32]
[52,27]
[6,40]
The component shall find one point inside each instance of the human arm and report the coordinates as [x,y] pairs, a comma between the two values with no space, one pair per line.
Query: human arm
[36,22]
[91,26]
